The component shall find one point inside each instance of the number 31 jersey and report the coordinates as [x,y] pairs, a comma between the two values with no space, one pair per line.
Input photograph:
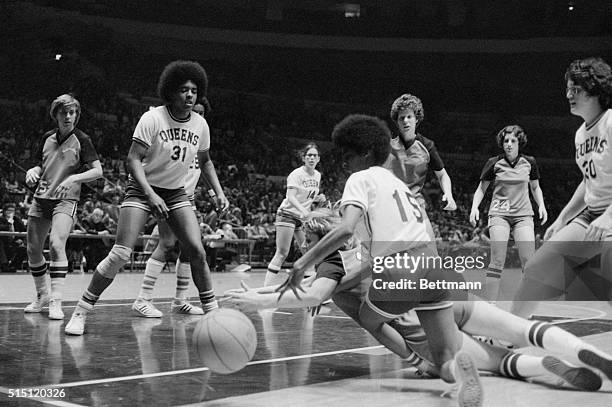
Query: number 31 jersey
[510,184]
[392,217]
[594,157]
[172,145]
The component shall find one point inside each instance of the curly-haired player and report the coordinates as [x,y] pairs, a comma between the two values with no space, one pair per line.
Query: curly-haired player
[165,142]
[386,217]
[513,174]
[412,154]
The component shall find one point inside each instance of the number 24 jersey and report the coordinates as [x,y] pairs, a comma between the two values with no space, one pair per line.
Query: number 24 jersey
[172,145]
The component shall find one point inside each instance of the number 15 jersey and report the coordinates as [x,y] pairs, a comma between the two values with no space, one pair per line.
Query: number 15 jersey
[392,216]
[172,145]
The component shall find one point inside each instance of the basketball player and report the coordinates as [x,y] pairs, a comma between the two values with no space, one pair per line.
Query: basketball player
[413,155]
[339,277]
[302,190]
[165,143]
[513,175]
[389,218]
[155,264]
[583,229]
[62,153]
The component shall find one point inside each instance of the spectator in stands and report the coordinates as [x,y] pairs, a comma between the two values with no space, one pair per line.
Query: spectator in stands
[12,186]
[211,217]
[12,249]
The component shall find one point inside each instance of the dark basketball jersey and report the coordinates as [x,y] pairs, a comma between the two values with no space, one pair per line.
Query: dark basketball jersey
[410,163]
[62,158]
[510,184]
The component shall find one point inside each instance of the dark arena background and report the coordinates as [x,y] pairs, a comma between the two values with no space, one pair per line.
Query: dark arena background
[281,74]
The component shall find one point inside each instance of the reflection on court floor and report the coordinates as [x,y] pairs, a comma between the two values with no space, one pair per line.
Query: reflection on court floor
[124,360]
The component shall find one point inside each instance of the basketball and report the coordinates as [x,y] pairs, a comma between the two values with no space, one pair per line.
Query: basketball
[225,340]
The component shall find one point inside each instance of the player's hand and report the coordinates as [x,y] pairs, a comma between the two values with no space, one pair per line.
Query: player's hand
[293,283]
[158,206]
[552,229]
[33,176]
[599,228]
[247,299]
[243,288]
[543,215]
[451,205]
[319,198]
[474,217]
[222,202]
[62,189]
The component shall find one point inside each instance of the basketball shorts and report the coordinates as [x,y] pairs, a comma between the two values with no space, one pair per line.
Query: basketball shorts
[586,217]
[136,198]
[288,219]
[511,222]
[398,289]
[47,208]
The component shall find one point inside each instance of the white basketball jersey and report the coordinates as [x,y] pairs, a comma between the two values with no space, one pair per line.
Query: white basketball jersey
[392,215]
[172,145]
[306,186]
[594,158]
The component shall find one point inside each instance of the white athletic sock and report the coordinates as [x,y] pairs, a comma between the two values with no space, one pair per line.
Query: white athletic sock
[39,273]
[183,275]
[58,271]
[152,272]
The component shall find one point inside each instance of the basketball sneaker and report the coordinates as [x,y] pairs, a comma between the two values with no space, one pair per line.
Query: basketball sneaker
[55,309]
[577,377]
[37,305]
[76,325]
[145,308]
[596,360]
[184,307]
[470,388]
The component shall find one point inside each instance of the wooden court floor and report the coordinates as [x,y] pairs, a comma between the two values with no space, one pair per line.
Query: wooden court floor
[124,360]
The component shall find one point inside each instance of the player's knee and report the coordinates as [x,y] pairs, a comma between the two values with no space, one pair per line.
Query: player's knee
[117,258]
[194,252]
[57,246]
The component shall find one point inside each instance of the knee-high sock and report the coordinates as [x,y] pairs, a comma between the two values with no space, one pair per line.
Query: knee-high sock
[98,284]
[152,271]
[58,271]
[39,273]
[183,275]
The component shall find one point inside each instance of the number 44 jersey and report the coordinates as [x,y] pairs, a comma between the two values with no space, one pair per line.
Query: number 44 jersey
[172,145]
[392,218]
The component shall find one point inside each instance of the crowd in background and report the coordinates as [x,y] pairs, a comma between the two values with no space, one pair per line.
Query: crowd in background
[263,113]
[253,151]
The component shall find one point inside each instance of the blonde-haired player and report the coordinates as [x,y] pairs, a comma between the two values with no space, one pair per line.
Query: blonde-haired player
[62,153]
[340,276]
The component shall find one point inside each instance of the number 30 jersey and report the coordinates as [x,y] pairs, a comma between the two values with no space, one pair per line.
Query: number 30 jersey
[510,184]
[594,157]
[392,217]
[172,145]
